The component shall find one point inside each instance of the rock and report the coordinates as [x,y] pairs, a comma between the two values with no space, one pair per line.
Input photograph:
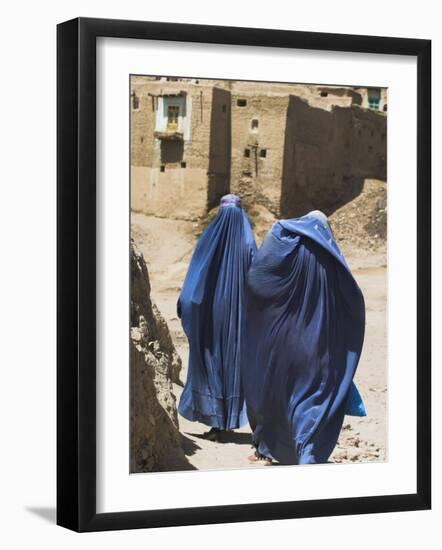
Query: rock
[155,440]
[142,308]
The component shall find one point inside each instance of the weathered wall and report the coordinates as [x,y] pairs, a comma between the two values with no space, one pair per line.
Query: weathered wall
[257,179]
[328,154]
[307,164]
[169,178]
[179,193]
[321,96]
[368,146]
[155,441]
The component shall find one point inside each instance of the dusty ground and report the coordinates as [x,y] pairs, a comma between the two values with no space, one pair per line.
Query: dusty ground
[167,246]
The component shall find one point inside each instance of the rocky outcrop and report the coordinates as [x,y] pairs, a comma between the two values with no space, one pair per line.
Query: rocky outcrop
[155,440]
[141,305]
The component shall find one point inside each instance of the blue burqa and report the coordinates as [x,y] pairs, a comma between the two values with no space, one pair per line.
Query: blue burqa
[305,330]
[212,311]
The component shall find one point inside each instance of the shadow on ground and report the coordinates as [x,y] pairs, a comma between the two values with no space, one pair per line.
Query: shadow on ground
[189,447]
[227,437]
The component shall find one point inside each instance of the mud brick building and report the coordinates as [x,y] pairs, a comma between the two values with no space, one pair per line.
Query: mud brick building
[289,147]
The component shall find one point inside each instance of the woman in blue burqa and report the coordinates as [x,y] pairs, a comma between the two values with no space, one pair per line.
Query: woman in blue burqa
[212,311]
[305,330]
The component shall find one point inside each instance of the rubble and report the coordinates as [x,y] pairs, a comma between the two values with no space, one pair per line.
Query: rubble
[363,221]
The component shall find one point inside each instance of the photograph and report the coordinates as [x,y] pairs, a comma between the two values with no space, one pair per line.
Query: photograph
[225,224]
[258,274]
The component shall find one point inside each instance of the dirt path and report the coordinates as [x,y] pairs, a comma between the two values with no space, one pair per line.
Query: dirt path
[167,247]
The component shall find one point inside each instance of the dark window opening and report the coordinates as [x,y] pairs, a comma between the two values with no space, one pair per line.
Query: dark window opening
[255,123]
[172,151]
[241,102]
[247,153]
[135,101]
[385,108]
[263,153]
[162,168]
[324,94]
[141,139]
[247,173]
[183,164]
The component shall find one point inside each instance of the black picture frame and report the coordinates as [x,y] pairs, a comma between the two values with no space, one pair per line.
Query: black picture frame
[76,273]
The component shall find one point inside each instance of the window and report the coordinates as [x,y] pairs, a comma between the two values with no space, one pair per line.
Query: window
[373,103]
[173,112]
[170,117]
[374,98]
[135,101]
[263,153]
[255,124]
[385,108]
[162,168]
[247,153]
[324,94]
[241,102]
[183,165]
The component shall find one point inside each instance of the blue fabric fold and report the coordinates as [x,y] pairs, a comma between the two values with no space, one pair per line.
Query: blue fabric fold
[355,405]
[212,311]
[305,331]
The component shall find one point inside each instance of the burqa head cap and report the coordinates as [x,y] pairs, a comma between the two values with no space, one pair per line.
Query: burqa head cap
[319,215]
[230,200]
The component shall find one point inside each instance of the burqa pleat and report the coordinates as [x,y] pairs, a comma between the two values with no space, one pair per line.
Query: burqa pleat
[305,330]
[212,309]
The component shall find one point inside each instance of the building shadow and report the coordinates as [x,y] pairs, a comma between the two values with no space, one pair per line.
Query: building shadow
[328,155]
[220,147]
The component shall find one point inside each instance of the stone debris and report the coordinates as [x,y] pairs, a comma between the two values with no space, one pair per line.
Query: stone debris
[351,448]
[363,221]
